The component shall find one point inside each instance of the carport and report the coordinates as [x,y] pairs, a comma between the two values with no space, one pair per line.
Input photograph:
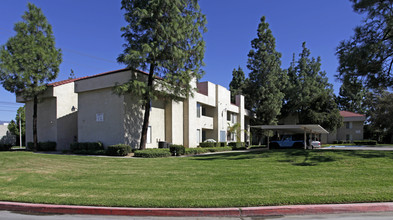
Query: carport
[306,129]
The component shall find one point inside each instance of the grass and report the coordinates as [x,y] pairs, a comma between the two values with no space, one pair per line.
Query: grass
[234,179]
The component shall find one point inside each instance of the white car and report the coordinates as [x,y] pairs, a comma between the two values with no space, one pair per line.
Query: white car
[315,144]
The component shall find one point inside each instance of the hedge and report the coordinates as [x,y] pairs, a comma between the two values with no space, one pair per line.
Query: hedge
[365,142]
[118,150]
[87,146]
[194,151]
[43,146]
[177,150]
[218,149]
[5,147]
[213,144]
[237,145]
[153,153]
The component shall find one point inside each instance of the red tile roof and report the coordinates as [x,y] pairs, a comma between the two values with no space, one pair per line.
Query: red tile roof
[347,114]
[54,84]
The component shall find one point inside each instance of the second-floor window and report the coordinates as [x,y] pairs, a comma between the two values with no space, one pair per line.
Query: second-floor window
[198,110]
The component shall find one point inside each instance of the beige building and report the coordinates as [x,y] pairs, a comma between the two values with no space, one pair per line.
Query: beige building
[95,113]
[352,129]
[56,115]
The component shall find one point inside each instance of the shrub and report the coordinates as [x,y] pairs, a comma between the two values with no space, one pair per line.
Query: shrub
[207,144]
[177,150]
[221,144]
[118,150]
[365,142]
[194,151]
[218,149]
[153,153]
[88,146]
[42,146]
[5,147]
[237,145]
[92,148]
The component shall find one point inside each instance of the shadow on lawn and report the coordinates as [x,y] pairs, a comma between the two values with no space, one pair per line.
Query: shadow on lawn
[299,157]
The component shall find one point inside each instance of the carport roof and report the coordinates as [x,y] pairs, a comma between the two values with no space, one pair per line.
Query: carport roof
[294,128]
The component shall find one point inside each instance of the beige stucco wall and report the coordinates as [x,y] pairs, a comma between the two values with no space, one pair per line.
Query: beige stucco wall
[67,116]
[174,123]
[96,103]
[46,120]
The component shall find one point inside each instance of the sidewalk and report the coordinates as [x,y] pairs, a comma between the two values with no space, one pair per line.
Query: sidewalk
[201,212]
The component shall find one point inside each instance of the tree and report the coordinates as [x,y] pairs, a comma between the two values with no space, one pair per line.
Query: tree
[352,95]
[237,85]
[29,60]
[309,95]
[381,117]
[13,126]
[267,80]
[368,55]
[165,38]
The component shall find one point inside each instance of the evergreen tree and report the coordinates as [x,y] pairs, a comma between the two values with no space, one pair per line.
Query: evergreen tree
[165,38]
[381,117]
[266,79]
[13,126]
[29,60]
[309,95]
[237,84]
[368,55]
[352,95]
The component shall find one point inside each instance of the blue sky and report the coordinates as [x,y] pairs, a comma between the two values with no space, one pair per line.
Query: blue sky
[88,32]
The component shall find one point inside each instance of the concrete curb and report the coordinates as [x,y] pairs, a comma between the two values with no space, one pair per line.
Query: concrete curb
[212,212]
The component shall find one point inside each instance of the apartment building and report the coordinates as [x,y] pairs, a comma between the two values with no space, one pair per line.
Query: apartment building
[87,110]
[351,130]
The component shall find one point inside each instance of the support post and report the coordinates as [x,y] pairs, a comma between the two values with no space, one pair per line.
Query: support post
[305,140]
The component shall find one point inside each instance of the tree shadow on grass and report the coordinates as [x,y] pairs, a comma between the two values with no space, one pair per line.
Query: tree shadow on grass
[298,157]
[233,156]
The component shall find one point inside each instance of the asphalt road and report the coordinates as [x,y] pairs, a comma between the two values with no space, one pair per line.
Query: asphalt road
[6,215]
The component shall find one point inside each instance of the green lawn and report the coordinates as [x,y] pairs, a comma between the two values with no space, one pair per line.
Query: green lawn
[225,180]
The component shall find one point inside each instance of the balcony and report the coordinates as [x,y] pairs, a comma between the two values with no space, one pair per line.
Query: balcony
[206,122]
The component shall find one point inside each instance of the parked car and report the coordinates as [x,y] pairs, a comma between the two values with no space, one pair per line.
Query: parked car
[293,141]
[315,144]
[288,141]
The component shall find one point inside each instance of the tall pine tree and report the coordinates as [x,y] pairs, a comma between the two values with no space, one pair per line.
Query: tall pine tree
[29,60]
[238,83]
[352,95]
[165,38]
[309,95]
[266,79]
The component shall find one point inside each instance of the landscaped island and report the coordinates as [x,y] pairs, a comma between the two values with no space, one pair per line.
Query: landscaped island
[234,179]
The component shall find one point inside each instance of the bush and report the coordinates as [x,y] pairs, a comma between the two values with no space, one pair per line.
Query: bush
[5,147]
[365,142]
[118,150]
[90,152]
[194,151]
[177,150]
[87,146]
[237,145]
[42,146]
[207,144]
[218,149]
[221,144]
[153,153]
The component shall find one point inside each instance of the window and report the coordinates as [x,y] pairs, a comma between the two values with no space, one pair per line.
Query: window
[203,111]
[234,118]
[100,117]
[198,110]
[228,116]
[198,136]
[349,137]
[348,125]
[222,136]
[148,138]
